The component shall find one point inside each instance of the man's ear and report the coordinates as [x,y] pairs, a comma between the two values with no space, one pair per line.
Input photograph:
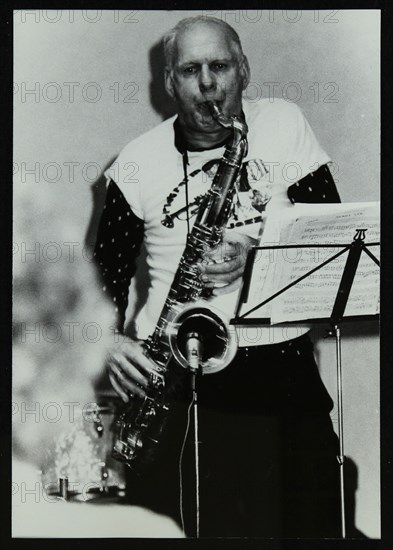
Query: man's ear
[245,72]
[169,83]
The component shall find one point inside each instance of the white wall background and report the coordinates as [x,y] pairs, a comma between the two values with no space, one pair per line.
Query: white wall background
[88,82]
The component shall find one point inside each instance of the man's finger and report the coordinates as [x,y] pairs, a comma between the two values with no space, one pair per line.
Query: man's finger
[224,267]
[219,253]
[118,388]
[134,354]
[127,384]
[219,291]
[131,371]
[222,277]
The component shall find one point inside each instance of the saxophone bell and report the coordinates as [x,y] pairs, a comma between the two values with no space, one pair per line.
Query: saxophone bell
[212,327]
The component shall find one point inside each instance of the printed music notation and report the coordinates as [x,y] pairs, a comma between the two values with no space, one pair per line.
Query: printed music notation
[314,296]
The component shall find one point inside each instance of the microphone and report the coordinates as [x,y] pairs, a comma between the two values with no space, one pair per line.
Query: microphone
[194,350]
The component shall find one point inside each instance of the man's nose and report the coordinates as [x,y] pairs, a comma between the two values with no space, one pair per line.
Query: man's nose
[207,80]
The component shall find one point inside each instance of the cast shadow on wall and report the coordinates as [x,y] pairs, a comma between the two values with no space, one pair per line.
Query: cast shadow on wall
[160,100]
[350,488]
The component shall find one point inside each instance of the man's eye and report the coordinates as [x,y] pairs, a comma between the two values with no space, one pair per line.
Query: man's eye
[219,66]
[189,70]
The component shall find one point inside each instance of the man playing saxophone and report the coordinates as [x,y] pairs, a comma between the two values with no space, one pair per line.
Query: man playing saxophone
[268,450]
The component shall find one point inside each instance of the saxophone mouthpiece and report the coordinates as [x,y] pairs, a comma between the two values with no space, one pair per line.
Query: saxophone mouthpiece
[218,115]
[213,108]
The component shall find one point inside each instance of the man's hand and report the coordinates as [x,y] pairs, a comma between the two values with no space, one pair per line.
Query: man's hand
[128,368]
[223,266]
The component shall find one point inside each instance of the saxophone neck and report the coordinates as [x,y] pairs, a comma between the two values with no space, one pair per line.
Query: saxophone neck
[234,122]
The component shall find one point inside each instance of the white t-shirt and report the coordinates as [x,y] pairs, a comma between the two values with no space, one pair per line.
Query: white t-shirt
[282,149]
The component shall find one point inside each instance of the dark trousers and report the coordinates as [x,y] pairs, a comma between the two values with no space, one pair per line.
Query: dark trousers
[268,465]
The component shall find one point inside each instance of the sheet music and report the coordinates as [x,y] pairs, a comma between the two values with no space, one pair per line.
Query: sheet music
[262,278]
[315,295]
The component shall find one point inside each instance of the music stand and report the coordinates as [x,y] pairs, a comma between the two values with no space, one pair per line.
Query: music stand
[354,249]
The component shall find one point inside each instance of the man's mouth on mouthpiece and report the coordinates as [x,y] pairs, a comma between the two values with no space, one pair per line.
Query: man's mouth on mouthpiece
[204,108]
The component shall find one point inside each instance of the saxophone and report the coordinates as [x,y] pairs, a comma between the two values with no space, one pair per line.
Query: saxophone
[186,315]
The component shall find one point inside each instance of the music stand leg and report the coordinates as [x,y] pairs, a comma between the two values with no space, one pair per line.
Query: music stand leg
[341,456]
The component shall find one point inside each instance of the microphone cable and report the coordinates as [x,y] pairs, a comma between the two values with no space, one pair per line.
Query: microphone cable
[181,461]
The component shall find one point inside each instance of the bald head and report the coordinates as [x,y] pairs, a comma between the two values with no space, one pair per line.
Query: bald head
[204,61]
[172,38]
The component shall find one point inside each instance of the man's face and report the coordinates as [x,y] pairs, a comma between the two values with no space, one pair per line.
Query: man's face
[205,67]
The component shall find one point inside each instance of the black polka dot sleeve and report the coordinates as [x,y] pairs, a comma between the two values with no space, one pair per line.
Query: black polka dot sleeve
[316,187]
[119,239]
